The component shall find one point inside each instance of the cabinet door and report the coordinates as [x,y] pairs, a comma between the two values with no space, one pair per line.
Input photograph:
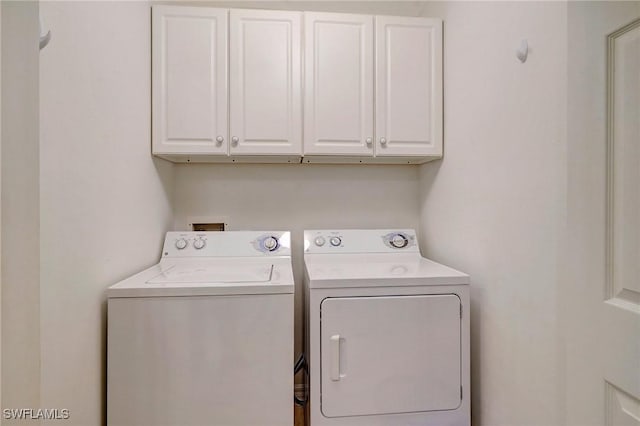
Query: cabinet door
[338,84]
[408,86]
[265,82]
[189,71]
[390,354]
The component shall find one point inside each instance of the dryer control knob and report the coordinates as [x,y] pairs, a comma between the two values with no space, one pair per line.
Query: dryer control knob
[399,241]
[320,241]
[335,241]
[199,244]
[181,243]
[270,243]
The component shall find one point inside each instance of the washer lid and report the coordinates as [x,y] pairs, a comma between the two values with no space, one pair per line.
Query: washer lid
[214,274]
[209,277]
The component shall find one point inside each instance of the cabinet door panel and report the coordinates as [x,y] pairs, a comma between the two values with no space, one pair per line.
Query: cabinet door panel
[408,86]
[189,80]
[338,84]
[265,82]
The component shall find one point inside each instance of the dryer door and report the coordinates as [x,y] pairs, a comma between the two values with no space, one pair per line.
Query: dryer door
[390,354]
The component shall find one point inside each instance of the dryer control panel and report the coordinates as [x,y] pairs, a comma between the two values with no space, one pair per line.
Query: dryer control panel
[227,244]
[360,241]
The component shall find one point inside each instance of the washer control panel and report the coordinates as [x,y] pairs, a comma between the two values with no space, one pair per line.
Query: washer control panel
[227,244]
[360,241]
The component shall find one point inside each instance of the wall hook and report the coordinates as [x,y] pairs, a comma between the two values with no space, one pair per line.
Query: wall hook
[523,51]
[44,38]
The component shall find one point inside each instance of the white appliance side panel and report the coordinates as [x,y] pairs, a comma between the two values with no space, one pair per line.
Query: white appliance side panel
[189,80]
[408,86]
[390,354]
[338,84]
[266,108]
[200,360]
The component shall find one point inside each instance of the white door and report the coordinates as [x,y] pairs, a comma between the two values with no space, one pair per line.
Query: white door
[338,84]
[189,73]
[601,298]
[408,86]
[390,354]
[265,82]
[621,308]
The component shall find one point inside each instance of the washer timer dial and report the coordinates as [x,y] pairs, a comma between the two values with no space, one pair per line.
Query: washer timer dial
[335,241]
[399,241]
[270,243]
[199,244]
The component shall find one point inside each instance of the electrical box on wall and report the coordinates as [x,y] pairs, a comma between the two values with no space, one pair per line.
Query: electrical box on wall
[208,226]
[204,223]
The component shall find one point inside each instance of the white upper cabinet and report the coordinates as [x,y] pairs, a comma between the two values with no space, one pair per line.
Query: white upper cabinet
[408,86]
[338,84]
[228,86]
[265,82]
[189,76]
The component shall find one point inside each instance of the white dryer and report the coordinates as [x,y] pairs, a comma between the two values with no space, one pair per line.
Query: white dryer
[205,337]
[387,332]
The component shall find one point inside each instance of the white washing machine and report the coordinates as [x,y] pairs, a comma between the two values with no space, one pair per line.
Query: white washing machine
[205,337]
[387,332]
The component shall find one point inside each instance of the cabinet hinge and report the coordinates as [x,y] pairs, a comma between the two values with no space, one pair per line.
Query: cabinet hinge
[460,310]
[460,393]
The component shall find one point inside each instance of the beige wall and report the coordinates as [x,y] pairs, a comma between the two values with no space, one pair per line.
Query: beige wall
[105,202]
[20,206]
[402,8]
[494,206]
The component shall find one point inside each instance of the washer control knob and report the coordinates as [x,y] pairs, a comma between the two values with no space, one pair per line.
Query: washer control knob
[320,241]
[335,241]
[181,244]
[199,244]
[270,243]
[399,241]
